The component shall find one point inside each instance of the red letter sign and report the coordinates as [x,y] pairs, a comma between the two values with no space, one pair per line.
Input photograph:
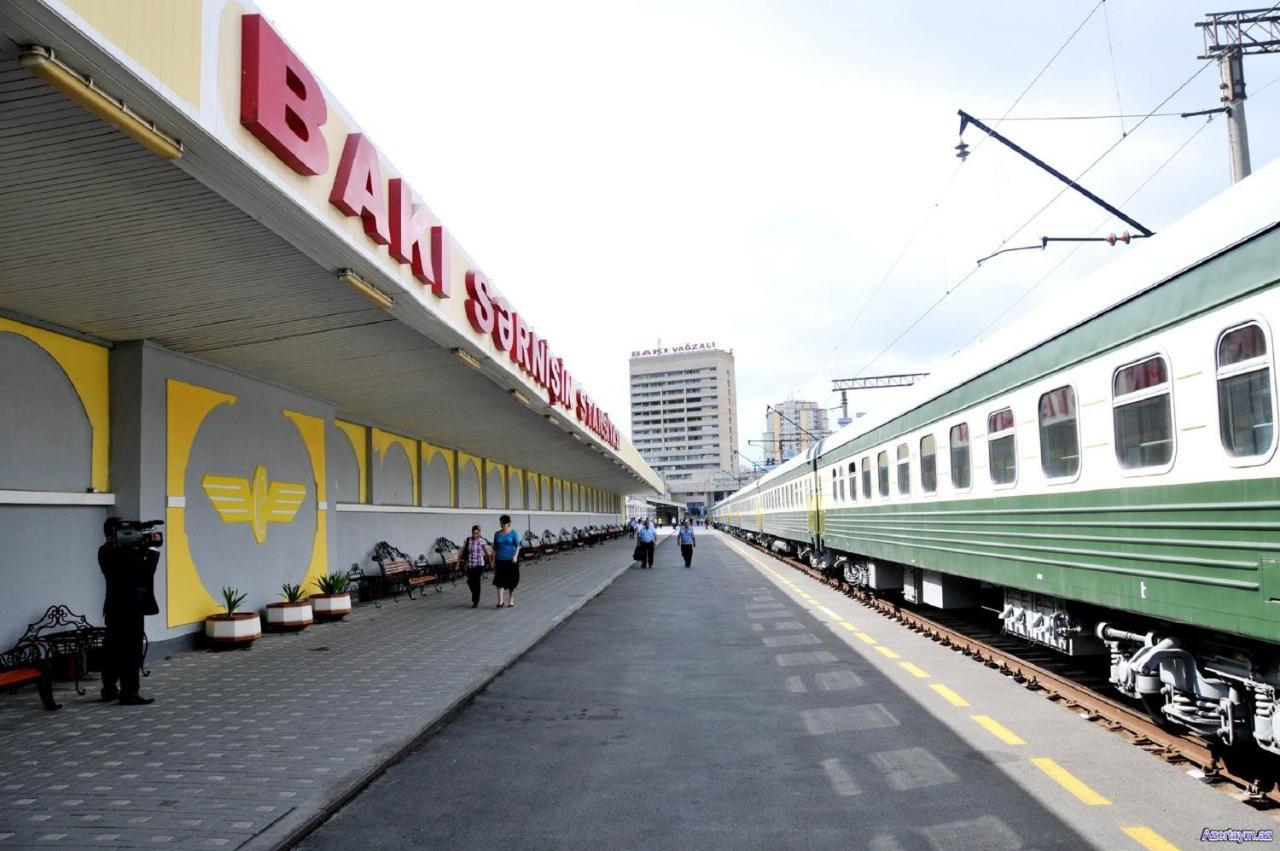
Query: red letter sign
[358,189]
[479,302]
[411,224]
[280,102]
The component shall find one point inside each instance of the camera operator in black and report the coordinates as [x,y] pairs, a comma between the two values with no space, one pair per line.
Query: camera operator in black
[128,561]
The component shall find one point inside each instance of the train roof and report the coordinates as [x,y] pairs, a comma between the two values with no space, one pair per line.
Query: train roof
[1233,216]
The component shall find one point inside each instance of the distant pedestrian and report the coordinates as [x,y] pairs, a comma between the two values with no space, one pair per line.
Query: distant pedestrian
[686,540]
[647,536]
[475,556]
[631,527]
[506,570]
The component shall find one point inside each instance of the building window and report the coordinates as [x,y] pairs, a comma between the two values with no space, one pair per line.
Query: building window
[866,478]
[904,470]
[882,467]
[1002,452]
[1142,409]
[960,462]
[853,482]
[1059,434]
[1246,414]
[928,464]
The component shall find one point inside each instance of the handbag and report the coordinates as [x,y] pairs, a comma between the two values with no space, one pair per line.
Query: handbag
[638,555]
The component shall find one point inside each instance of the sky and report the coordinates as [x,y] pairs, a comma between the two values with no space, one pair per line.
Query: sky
[779,177]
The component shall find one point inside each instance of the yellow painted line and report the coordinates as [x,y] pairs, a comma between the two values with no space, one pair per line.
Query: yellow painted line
[885,651]
[866,638]
[1069,781]
[1149,839]
[829,613]
[914,670]
[950,696]
[998,730]
[849,626]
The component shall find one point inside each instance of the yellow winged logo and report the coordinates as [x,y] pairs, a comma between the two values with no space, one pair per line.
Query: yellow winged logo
[259,504]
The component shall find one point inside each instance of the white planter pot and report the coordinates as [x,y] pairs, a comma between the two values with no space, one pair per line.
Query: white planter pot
[240,628]
[289,615]
[331,606]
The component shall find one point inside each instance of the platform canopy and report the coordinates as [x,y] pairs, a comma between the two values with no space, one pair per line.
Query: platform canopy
[228,255]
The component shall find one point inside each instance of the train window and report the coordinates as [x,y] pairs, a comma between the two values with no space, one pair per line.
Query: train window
[904,470]
[853,482]
[1059,434]
[1246,414]
[1142,410]
[928,464]
[1002,451]
[882,467]
[866,478]
[960,463]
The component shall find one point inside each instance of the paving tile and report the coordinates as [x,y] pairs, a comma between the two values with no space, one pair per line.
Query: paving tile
[228,750]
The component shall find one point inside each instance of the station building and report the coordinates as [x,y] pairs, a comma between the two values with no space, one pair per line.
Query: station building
[222,307]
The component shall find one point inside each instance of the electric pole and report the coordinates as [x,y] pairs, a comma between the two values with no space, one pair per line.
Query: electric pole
[1228,38]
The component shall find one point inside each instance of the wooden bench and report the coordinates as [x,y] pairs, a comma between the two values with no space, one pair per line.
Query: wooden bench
[400,574]
[530,546]
[28,663]
[450,566]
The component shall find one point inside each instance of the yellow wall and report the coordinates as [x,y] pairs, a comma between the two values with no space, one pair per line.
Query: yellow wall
[162,36]
[85,365]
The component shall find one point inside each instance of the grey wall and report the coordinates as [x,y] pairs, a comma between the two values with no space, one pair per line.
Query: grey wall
[437,486]
[392,478]
[49,556]
[344,469]
[515,498]
[232,442]
[468,485]
[45,438]
[494,497]
[416,533]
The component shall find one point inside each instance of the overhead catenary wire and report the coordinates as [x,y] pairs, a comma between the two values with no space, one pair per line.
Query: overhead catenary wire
[1115,78]
[1031,219]
[1063,260]
[933,207]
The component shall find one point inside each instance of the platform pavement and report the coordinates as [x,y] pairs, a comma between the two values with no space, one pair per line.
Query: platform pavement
[246,748]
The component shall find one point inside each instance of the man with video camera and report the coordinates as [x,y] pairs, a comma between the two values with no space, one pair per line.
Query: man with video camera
[128,561]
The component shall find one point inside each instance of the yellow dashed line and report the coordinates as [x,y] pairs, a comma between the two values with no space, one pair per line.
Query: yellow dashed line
[829,613]
[849,626]
[1069,781]
[950,696]
[998,730]
[865,637]
[1149,839]
[914,671]
[886,652]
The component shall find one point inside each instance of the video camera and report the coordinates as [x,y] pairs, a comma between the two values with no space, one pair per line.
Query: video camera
[133,533]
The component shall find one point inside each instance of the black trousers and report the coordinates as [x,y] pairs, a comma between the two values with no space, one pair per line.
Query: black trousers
[122,653]
[646,550]
[474,575]
[686,550]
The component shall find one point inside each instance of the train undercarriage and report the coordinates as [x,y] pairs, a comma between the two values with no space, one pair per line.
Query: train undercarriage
[1221,688]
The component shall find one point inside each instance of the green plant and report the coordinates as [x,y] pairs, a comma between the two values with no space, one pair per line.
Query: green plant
[232,599]
[291,593]
[333,583]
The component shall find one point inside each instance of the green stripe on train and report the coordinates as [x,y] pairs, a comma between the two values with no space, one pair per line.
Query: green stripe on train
[1203,554]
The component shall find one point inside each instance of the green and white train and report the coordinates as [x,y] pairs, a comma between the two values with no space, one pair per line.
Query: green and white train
[1103,475]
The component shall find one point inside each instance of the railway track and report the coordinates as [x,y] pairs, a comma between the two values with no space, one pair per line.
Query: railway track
[1256,782]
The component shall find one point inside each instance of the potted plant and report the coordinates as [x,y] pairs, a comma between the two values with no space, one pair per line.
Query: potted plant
[334,601]
[293,613]
[233,628]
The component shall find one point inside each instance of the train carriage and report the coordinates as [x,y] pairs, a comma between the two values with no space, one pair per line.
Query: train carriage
[1106,468]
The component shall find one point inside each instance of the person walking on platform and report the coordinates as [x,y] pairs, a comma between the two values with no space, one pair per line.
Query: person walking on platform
[506,570]
[686,540]
[647,536]
[475,557]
